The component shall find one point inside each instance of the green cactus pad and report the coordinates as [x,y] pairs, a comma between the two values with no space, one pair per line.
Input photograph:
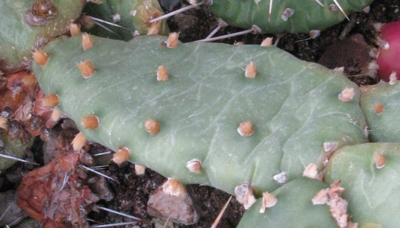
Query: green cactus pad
[381,108]
[134,16]
[18,38]
[293,209]
[307,14]
[372,193]
[13,148]
[292,104]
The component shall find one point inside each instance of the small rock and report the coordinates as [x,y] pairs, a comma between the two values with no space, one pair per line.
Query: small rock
[177,209]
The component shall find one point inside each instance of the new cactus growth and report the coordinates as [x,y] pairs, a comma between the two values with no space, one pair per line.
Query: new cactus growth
[292,106]
[379,103]
[27,25]
[369,175]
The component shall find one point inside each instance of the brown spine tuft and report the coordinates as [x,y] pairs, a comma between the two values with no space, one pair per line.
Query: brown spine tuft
[50,101]
[79,141]
[86,68]
[74,29]
[152,126]
[162,74]
[87,41]
[246,129]
[90,122]
[40,57]
[378,109]
[122,155]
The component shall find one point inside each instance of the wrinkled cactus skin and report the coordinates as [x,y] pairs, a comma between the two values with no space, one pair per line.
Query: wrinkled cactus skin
[293,209]
[372,193]
[293,105]
[307,14]
[18,38]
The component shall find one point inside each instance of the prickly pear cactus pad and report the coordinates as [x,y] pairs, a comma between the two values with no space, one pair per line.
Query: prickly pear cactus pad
[287,111]
[293,209]
[380,104]
[369,174]
[286,16]
[28,24]
[133,15]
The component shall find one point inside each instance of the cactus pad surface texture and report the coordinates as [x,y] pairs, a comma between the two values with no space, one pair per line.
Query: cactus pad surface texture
[293,209]
[28,24]
[380,105]
[286,16]
[293,106]
[369,174]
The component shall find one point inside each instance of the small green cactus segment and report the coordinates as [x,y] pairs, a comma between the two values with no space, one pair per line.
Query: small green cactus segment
[380,106]
[293,106]
[133,15]
[286,16]
[293,209]
[18,38]
[372,193]
[13,148]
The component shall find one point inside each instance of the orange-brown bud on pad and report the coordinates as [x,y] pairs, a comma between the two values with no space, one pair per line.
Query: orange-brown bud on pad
[90,122]
[40,57]
[50,101]
[152,126]
[122,155]
[86,68]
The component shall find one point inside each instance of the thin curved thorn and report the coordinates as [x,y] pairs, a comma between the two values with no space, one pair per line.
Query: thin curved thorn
[270,9]
[338,5]
[118,213]
[107,22]
[102,153]
[166,223]
[254,29]
[7,209]
[17,159]
[215,223]
[221,24]
[104,27]
[97,172]
[320,3]
[175,12]
[66,177]
[114,224]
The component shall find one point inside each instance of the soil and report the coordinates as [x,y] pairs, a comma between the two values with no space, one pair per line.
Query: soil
[131,192]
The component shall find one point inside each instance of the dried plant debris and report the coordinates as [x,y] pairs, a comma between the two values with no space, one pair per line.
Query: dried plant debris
[55,195]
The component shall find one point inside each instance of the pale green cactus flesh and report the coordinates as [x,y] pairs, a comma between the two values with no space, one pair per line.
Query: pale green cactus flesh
[133,15]
[370,189]
[381,108]
[13,148]
[293,209]
[293,105]
[18,38]
[307,15]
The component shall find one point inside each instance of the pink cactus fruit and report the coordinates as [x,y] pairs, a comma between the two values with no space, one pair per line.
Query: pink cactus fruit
[389,54]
